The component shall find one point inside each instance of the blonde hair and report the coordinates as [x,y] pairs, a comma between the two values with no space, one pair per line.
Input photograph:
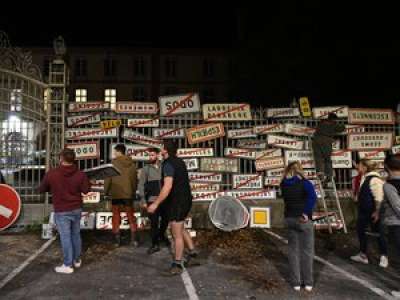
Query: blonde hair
[293,169]
[369,164]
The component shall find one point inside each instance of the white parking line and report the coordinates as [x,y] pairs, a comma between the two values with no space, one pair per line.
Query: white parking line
[190,289]
[363,282]
[18,270]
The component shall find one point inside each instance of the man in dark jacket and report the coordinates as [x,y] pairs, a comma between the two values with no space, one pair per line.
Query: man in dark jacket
[177,195]
[322,145]
[67,184]
[149,188]
[122,189]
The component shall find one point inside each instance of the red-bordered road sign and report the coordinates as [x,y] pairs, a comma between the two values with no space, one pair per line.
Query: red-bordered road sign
[10,206]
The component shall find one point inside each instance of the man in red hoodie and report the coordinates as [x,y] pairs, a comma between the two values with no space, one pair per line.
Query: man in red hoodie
[67,184]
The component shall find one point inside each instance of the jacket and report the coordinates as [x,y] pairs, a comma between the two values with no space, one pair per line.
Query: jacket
[149,186]
[390,208]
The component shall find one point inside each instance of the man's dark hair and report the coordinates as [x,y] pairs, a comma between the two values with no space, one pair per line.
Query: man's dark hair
[392,162]
[68,155]
[120,148]
[156,150]
[171,147]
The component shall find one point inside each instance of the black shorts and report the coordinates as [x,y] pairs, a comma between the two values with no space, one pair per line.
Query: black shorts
[122,202]
[178,210]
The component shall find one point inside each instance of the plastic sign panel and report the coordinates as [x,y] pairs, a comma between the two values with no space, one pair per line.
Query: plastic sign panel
[371,116]
[298,130]
[269,153]
[143,122]
[305,107]
[227,112]
[106,124]
[195,152]
[179,104]
[191,163]
[260,217]
[219,164]
[88,106]
[341,159]
[205,187]
[90,133]
[275,172]
[370,141]
[104,220]
[396,149]
[205,177]
[205,196]
[271,163]
[205,132]
[85,150]
[272,181]
[241,133]
[239,153]
[10,206]
[139,138]
[251,144]
[353,129]
[79,120]
[305,157]
[145,108]
[102,172]
[247,181]
[310,173]
[252,194]
[136,152]
[284,142]
[88,220]
[323,112]
[270,128]
[91,197]
[372,154]
[166,133]
[283,112]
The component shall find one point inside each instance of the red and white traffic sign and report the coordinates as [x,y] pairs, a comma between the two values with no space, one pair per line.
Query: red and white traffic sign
[10,206]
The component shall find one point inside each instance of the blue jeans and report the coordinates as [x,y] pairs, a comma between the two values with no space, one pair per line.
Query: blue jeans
[68,225]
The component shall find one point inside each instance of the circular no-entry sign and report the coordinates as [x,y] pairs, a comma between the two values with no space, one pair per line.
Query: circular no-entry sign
[10,206]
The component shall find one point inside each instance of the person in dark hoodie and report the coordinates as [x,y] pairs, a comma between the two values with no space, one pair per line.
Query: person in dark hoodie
[322,145]
[122,189]
[299,197]
[149,188]
[67,184]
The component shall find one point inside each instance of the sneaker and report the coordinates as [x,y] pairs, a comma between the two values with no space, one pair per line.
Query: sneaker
[384,262]
[78,263]
[175,269]
[396,294]
[153,249]
[297,288]
[360,258]
[308,288]
[64,269]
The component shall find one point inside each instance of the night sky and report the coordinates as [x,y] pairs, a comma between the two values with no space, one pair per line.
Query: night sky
[333,54]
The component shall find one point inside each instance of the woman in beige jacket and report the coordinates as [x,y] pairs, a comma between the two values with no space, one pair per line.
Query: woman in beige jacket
[369,201]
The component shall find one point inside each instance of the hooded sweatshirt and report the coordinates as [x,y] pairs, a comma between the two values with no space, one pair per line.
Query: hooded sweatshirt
[66,184]
[326,130]
[376,187]
[124,185]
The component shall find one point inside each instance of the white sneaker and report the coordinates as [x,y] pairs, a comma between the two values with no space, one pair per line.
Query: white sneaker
[78,263]
[308,288]
[64,269]
[396,294]
[384,262]
[296,288]
[360,258]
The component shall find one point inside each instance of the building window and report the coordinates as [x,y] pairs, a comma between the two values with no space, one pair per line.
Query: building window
[139,93]
[80,67]
[16,100]
[208,68]
[80,95]
[208,94]
[170,67]
[110,67]
[139,67]
[110,95]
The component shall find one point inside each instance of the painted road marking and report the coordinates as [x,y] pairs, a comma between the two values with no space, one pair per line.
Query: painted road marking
[5,212]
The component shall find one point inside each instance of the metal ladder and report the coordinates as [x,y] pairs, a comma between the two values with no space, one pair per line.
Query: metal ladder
[331,213]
